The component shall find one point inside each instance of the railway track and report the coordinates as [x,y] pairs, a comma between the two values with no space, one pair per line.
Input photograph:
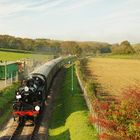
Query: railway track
[12,131]
[24,132]
[17,132]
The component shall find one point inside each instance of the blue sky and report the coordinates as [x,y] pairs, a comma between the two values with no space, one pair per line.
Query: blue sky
[84,20]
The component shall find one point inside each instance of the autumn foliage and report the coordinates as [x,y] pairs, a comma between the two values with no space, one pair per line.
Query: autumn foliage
[120,119]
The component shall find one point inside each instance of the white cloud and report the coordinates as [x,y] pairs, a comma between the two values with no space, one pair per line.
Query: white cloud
[63,19]
[7,9]
[129,8]
[77,4]
[13,8]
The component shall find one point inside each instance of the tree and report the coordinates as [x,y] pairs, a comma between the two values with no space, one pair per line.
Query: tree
[124,48]
[137,48]
[70,47]
[55,46]
[127,48]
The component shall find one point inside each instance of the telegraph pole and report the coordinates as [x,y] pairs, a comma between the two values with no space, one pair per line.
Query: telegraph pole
[17,76]
[11,78]
[72,77]
[5,74]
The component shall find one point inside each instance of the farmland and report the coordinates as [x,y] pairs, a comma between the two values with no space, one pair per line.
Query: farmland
[114,75]
[13,56]
[122,56]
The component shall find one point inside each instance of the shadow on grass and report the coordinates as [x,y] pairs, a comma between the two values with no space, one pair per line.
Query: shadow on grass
[66,103]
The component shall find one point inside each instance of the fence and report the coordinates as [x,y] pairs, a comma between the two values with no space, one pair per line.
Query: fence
[88,102]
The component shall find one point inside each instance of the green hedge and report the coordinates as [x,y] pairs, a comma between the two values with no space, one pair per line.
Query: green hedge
[89,84]
[6,97]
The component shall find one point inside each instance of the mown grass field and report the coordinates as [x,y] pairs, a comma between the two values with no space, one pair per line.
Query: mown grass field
[114,75]
[70,117]
[13,56]
[122,56]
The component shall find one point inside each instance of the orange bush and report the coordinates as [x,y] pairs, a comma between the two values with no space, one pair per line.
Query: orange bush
[120,119]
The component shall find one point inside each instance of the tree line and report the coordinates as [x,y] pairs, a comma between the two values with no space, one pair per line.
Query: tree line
[66,47]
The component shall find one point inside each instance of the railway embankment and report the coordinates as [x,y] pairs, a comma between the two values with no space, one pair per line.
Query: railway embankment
[6,98]
[70,113]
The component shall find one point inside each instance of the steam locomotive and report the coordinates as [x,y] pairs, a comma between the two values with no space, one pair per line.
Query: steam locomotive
[31,95]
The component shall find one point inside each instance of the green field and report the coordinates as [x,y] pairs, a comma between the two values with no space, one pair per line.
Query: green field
[123,56]
[15,50]
[70,116]
[13,56]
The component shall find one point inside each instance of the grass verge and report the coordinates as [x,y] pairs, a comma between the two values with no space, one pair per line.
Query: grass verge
[70,116]
[6,97]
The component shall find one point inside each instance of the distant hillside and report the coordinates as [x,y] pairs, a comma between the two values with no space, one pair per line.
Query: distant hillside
[51,46]
[55,47]
[93,47]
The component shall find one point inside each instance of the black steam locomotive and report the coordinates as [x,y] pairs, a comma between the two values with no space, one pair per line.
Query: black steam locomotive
[31,96]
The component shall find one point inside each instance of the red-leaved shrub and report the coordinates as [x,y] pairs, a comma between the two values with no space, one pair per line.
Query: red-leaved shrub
[120,119]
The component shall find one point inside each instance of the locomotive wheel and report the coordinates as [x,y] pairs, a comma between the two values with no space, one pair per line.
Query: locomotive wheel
[21,119]
[34,120]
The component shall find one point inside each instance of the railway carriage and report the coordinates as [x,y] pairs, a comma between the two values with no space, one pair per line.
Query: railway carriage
[31,96]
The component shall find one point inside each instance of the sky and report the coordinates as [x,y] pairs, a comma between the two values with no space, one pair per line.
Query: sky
[82,20]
